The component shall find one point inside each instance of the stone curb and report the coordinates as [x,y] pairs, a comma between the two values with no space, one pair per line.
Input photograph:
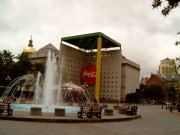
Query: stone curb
[49,120]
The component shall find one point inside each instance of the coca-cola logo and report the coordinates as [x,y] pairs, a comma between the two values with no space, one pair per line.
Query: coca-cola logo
[88,74]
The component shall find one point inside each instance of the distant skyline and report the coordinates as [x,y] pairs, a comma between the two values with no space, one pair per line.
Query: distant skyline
[146,36]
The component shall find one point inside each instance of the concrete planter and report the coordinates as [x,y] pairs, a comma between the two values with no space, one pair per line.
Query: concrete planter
[108,112]
[122,111]
[59,112]
[36,111]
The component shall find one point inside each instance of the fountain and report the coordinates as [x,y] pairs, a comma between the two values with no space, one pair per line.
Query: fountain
[50,78]
[46,92]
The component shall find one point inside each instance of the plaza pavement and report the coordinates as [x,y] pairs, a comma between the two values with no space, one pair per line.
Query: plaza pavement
[154,121]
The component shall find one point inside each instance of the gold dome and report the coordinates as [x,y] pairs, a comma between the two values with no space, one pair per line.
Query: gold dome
[29,50]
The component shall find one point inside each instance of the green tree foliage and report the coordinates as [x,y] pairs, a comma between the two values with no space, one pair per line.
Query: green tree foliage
[175,64]
[11,69]
[6,62]
[140,91]
[174,69]
[177,91]
[170,4]
[177,42]
[168,90]
[6,57]
[132,97]
[38,67]
[154,92]
[22,66]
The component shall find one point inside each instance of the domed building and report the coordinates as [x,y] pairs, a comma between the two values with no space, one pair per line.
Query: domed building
[40,55]
[29,49]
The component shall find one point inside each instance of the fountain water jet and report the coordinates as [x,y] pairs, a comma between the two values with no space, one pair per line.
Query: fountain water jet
[47,92]
[50,85]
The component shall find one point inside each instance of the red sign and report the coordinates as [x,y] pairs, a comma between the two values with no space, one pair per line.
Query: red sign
[88,74]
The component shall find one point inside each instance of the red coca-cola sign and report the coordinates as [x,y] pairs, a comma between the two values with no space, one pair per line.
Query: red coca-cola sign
[88,74]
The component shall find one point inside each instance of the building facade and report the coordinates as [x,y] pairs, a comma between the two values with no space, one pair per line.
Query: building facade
[118,75]
[129,78]
[40,56]
[166,66]
[161,79]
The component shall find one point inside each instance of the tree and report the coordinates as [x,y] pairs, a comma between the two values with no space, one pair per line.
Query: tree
[175,66]
[170,4]
[177,42]
[177,90]
[6,62]
[22,66]
[132,97]
[154,92]
[168,89]
[38,67]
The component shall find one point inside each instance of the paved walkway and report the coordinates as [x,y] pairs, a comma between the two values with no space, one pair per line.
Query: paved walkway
[154,121]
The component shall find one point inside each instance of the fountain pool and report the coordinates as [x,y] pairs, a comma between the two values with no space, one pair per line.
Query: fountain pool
[27,107]
[47,92]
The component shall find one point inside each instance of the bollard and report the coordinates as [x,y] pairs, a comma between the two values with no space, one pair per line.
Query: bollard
[108,112]
[36,111]
[59,112]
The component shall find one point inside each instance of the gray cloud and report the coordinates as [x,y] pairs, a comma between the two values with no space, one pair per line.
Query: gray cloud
[146,36]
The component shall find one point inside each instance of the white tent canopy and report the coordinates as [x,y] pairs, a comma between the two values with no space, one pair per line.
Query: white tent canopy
[72,87]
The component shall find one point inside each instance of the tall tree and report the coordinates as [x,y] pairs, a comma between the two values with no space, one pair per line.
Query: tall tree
[169,5]
[175,66]
[22,66]
[154,92]
[177,91]
[168,89]
[6,62]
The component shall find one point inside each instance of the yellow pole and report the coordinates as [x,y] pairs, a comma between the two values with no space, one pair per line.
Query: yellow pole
[98,68]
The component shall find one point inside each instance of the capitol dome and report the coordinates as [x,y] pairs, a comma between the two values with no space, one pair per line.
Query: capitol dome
[29,48]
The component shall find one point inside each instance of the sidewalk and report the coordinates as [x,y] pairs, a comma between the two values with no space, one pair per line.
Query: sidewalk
[154,120]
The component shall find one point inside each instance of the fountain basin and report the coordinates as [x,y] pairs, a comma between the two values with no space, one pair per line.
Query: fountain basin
[51,109]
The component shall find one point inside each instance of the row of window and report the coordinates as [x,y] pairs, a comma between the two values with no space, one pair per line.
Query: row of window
[108,91]
[108,96]
[103,55]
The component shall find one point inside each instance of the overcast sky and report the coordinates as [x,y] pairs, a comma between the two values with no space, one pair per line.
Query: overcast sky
[146,36]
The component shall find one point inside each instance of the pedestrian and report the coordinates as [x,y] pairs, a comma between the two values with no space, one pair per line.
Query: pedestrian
[170,108]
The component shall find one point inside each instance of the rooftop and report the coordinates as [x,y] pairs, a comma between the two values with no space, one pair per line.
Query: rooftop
[89,41]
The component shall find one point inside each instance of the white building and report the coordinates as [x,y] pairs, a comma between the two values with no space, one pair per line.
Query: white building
[40,56]
[166,66]
[118,75]
[129,78]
